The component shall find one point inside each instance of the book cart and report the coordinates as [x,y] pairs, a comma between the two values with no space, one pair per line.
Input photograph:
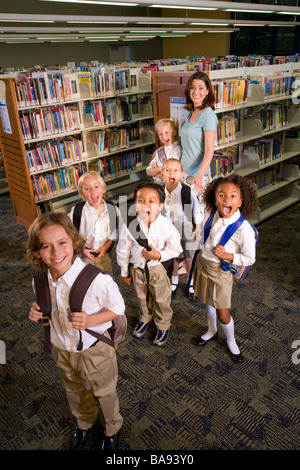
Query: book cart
[55,125]
[259,126]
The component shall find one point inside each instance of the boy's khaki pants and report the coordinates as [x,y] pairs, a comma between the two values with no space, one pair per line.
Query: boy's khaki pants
[159,306]
[90,379]
[103,263]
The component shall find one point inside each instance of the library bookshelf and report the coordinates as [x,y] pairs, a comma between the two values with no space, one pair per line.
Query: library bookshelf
[55,125]
[259,126]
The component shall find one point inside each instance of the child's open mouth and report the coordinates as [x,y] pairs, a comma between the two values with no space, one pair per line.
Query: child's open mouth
[226,210]
[171,180]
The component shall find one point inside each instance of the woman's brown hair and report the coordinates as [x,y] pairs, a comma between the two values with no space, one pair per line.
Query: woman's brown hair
[209,99]
[46,220]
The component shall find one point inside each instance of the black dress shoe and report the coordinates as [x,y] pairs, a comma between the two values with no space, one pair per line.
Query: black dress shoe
[78,439]
[110,442]
[174,291]
[202,342]
[236,357]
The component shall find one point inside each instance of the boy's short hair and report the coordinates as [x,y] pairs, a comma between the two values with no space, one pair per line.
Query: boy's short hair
[46,220]
[151,185]
[95,175]
[171,160]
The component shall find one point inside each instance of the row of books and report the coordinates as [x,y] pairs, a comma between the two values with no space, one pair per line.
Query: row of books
[265,178]
[271,116]
[117,165]
[33,88]
[223,161]
[275,86]
[266,149]
[48,121]
[42,88]
[230,93]
[110,140]
[226,129]
[57,182]
[54,153]
[112,110]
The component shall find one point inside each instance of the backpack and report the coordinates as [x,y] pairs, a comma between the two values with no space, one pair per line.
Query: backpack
[240,271]
[78,290]
[113,217]
[142,240]
[186,202]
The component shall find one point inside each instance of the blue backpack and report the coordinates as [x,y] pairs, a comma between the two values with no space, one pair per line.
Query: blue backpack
[240,271]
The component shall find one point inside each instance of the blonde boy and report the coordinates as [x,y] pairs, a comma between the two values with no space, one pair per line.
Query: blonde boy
[99,220]
[185,215]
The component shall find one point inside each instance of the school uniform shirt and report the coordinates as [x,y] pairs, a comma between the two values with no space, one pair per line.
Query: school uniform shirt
[161,234]
[174,210]
[192,140]
[241,244]
[171,151]
[102,294]
[95,228]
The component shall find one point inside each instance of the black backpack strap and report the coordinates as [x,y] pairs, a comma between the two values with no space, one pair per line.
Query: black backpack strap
[77,294]
[137,233]
[77,214]
[186,201]
[113,220]
[43,299]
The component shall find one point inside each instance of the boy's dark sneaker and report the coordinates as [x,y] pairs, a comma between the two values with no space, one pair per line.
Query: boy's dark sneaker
[161,337]
[140,329]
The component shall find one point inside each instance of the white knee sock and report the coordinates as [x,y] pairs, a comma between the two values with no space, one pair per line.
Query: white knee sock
[191,288]
[229,333]
[212,323]
[174,282]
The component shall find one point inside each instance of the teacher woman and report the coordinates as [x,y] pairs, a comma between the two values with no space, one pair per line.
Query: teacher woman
[198,132]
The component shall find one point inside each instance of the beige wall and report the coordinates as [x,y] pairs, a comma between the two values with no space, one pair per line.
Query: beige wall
[207,44]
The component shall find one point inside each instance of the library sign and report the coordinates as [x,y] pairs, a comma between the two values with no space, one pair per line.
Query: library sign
[4,116]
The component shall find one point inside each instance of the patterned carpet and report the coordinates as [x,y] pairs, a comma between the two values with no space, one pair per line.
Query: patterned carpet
[178,397]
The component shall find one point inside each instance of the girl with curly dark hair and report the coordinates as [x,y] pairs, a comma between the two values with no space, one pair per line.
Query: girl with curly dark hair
[227,198]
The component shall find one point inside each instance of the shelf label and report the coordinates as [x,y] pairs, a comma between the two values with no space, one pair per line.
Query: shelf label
[5,118]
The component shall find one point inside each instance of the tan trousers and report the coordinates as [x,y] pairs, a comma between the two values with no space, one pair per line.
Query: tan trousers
[90,379]
[103,263]
[159,309]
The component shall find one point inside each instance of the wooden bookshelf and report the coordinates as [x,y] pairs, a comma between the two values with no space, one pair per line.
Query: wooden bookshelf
[271,95]
[46,128]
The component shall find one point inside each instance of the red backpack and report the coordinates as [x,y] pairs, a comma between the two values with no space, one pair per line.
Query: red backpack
[79,288]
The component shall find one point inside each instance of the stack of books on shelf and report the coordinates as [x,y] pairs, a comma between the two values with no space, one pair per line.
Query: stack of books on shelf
[109,167]
[54,153]
[110,140]
[57,182]
[230,93]
[226,131]
[266,149]
[223,161]
[272,116]
[265,178]
[275,85]
[43,122]
[40,88]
